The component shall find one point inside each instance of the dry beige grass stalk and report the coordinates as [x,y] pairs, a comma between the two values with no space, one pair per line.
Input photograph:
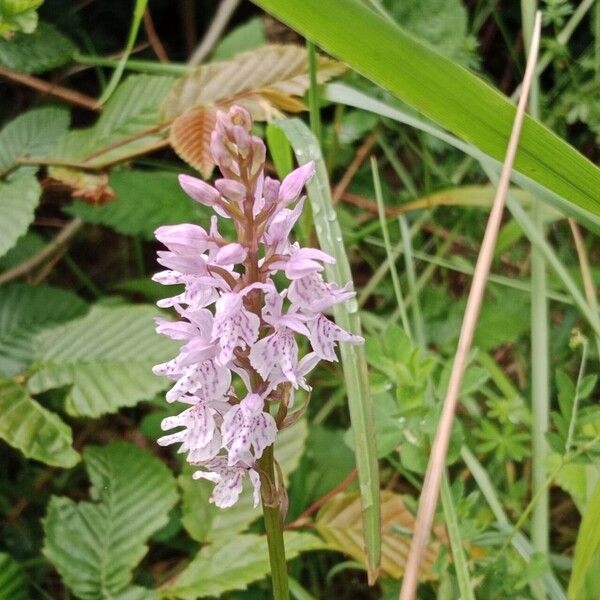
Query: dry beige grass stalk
[437,459]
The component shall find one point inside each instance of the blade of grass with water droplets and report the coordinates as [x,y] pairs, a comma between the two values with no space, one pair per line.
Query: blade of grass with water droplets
[354,362]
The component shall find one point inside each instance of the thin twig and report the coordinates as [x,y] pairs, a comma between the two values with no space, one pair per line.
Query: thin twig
[46,252]
[344,182]
[46,87]
[314,507]
[153,38]
[584,265]
[437,460]
[219,22]
[586,272]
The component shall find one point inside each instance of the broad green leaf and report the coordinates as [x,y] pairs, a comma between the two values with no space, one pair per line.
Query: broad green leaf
[19,198]
[234,563]
[32,134]
[26,246]
[339,522]
[207,523]
[32,429]
[442,90]
[106,357]
[144,201]
[44,49]
[13,580]
[96,545]
[586,547]
[354,361]
[136,593]
[126,127]
[18,15]
[327,469]
[24,311]
[578,479]
[247,36]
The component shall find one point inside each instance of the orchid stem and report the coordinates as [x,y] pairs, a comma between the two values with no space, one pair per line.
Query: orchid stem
[274,527]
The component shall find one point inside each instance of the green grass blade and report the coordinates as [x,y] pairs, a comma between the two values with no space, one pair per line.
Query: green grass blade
[138,13]
[388,248]
[450,95]
[458,553]
[588,544]
[353,357]
[344,94]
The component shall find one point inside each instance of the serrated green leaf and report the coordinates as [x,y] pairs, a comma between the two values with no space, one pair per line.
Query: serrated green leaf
[24,311]
[207,523]
[19,198]
[578,479]
[105,356]
[125,127]
[233,564]
[33,133]
[96,545]
[35,431]
[44,49]
[144,201]
[13,580]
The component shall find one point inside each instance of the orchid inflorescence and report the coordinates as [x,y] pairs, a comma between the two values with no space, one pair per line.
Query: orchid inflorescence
[252,330]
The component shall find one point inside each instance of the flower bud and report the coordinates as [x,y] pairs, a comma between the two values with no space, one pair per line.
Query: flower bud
[199,190]
[259,153]
[232,190]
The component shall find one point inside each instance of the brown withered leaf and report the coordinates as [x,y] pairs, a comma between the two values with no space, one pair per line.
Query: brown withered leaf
[91,187]
[190,138]
[340,523]
[281,69]
[267,82]
[282,101]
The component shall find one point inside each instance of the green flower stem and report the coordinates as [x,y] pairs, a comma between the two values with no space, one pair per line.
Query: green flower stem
[273,525]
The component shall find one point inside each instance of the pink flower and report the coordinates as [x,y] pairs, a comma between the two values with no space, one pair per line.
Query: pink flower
[233,318]
[280,349]
[292,185]
[229,481]
[199,437]
[312,294]
[234,326]
[246,427]
[305,261]
[324,334]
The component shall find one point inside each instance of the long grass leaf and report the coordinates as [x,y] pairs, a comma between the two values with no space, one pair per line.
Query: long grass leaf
[442,90]
[353,357]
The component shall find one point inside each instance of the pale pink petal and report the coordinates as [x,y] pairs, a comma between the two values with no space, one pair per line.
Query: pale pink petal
[292,185]
[199,190]
[231,254]
[255,480]
[325,334]
[233,190]
[183,238]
